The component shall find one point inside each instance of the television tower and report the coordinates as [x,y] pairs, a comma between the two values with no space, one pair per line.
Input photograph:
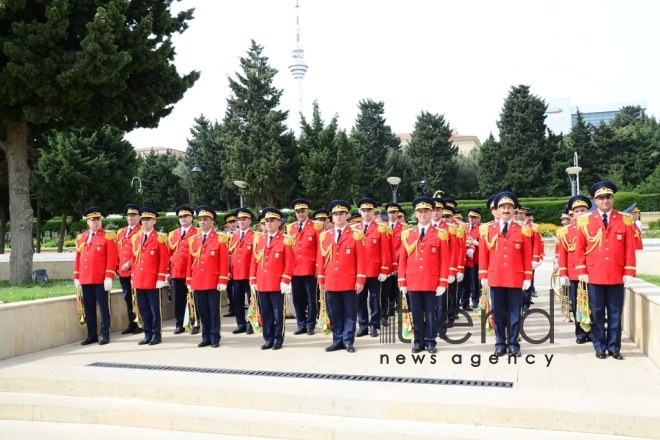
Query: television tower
[299,66]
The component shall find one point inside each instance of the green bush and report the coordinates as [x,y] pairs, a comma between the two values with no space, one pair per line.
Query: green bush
[649,202]
[654,225]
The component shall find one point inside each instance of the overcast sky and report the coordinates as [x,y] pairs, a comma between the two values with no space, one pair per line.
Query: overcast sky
[458,58]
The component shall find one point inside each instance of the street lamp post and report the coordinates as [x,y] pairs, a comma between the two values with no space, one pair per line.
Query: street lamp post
[241,184]
[394,185]
[574,175]
[139,190]
[195,169]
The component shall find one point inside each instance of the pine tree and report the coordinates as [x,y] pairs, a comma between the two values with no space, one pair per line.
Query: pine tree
[431,153]
[467,177]
[260,148]
[65,63]
[491,167]
[162,188]
[557,181]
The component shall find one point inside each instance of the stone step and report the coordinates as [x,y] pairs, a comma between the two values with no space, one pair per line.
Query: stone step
[154,420]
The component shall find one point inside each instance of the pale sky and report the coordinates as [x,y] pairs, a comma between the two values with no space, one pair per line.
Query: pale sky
[457,58]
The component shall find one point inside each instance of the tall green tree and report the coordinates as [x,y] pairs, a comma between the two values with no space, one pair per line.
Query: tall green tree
[522,140]
[603,154]
[467,177]
[431,153]
[557,181]
[162,189]
[260,148]
[82,168]
[65,63]
[375,139]
[492,167]
[330,161]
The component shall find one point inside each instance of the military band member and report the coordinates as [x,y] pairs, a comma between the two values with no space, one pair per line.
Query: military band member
[93,271]
[424,271]
[634,212]
[322,215]
[442,300]
[391,285]
[493,208]
[568,236]
[505,264]
[241,253]
[230,227]
[378,267]
[207,273]
[402,217]
[341,271]
[125,249]
[177,246]
[149,273]
[605,258]
[457,249]
[470,286]
[305,234]
[270,275]
[565,218]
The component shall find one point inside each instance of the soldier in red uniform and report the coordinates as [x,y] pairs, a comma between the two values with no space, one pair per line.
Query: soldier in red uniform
[605,258]
[207,273]
[378,267]
[442,301]
[149,273]
[305,233]
[505,264]
[568,236]
[125,248]
[270,274]
[230,226]
[93,271]
[424,272]
[470,285]
[241,254]
[457,249]
[177,245]
[341,264]
[322,215]
[391,285]
[634,212]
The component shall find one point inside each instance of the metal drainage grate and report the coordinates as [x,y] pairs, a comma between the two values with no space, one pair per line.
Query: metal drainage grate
[353,377]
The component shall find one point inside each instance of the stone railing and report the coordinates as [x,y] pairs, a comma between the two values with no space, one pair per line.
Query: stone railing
[641,317]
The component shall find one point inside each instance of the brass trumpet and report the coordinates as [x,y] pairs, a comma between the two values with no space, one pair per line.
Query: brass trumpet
[583,310]
[80,307]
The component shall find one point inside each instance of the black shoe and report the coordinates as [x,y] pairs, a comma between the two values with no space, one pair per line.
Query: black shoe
[500,352]
[300,331]
[334,347]
[144,341]
[582,340]
[383,322]
[534,294]
[178,330]
[155,342]
[238,330]
[417,348]
[131,328]
[267,346]
[277,346]
[362,332]
[431,349]
[90,340]
[374,332]
[616,355]
[474,306]
[350,349]
[600,354]
[228,315]
[137,331]
[515,353]
[468,308]
[215,344]
[104,341]
[204,344]
[194,330]
[531,302]
[249,330]
[310,332]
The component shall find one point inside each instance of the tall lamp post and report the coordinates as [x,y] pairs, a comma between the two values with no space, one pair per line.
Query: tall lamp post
[139,190]
[241,184]
[195,169]
[574,175]
[394,185]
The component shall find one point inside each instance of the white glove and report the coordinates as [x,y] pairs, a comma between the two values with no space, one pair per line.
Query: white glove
[540,261]
[160,284]
[222,287]
[452,278]
[526,284]
[188,287]
[584,278]
[484,282]
[535,264]
[382,277]
[285,288]
[564,281]
[254,286]
[403,290]
[76,283]
[626,279]
[470,253]
[439,291]
[459,277]
[107,284]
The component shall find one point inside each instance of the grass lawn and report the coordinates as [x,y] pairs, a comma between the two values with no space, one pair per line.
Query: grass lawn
[29,291]
[655,279]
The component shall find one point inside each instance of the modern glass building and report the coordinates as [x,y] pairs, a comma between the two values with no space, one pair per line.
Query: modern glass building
[561,116]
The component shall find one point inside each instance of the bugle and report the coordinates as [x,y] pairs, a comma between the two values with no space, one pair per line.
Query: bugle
[583,311]
[254,313]
[190,319]
[324,322]
[136,309]
[80,307]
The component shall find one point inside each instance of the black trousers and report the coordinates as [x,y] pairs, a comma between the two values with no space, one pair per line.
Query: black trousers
[239,289]
[303,291]
[150,311]
[271,305]
[180,295]
[125,283]
[93,294]
[371,292]
[208,307]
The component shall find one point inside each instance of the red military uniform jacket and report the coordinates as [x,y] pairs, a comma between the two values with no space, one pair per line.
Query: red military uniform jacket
[97,260]
[378,249]
[505,261]
[453,245]
[341,265]
[395,240]
[565,250]
[151,260]
[179,252]
[637,233]
[460,247]
[305,246]
[272,264]
[537,242]
[424,265]
[606,255]
[472,242]
[125,248]
[241,254]
[209,261]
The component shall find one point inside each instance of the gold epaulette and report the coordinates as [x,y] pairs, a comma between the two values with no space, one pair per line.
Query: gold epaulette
[223,238]
[561,232]
[289,240]
[171,234]
[257,236]
[383,229]
[535,227]
[527,232]
[318,226]
[453,229]
[442,234]
[483,229]
[111,235]
[162,238]
[288,228]
[358,235]
[627,218]
[460,233]
[583,220]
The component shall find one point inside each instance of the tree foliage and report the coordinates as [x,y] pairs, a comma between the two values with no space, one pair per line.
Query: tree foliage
[161,186]
[492,167]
